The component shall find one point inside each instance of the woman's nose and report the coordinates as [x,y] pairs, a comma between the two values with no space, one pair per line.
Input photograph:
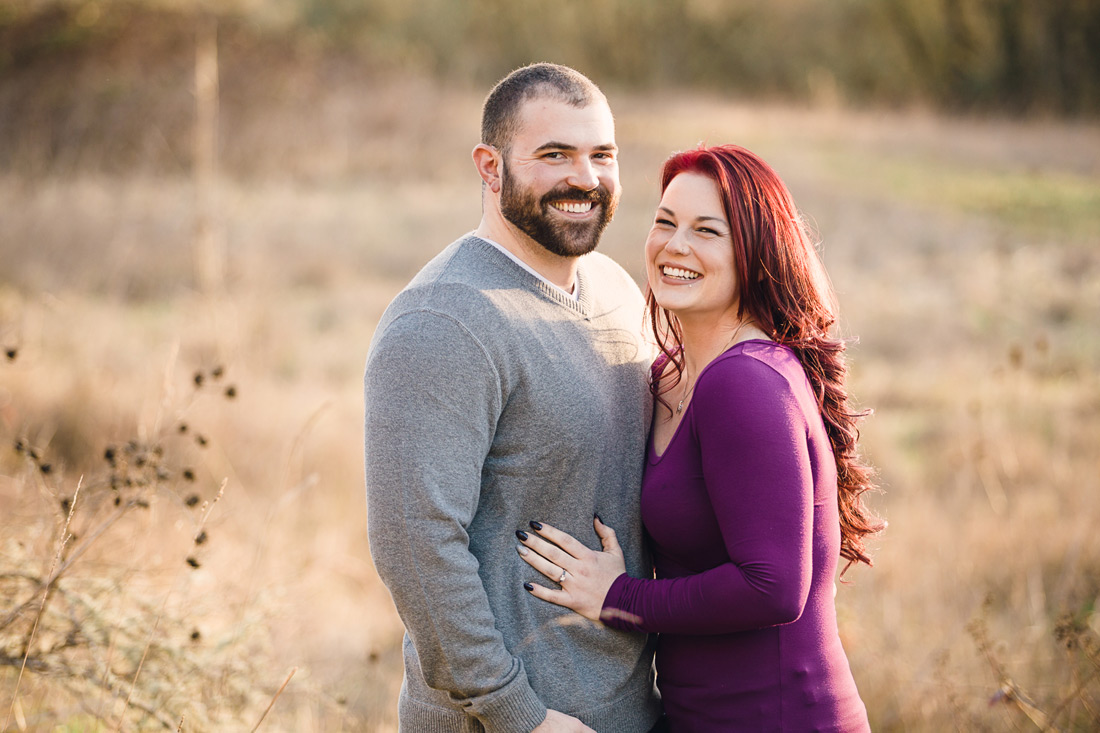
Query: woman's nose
[677,244]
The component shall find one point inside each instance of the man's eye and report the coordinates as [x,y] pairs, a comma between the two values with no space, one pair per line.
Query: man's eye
[554,156]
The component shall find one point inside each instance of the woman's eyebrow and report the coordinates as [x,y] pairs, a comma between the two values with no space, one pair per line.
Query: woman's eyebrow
[670,212]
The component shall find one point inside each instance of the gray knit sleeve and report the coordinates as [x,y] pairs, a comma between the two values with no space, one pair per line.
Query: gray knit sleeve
[432,398]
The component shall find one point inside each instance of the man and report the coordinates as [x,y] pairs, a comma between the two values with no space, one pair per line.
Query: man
[506,384]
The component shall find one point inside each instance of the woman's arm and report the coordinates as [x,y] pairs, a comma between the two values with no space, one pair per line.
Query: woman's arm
[752,438]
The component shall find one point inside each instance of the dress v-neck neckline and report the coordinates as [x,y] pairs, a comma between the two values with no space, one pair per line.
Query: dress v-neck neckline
[655,455]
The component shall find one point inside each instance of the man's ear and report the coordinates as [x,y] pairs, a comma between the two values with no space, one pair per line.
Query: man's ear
[488,163]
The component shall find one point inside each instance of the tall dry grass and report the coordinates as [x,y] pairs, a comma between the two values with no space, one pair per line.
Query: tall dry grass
[964,252]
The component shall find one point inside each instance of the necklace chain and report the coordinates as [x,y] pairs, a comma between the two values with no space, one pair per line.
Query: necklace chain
[687,393]
[689,390]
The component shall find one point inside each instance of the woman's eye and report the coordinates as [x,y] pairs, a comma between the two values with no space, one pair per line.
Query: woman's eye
[662,223]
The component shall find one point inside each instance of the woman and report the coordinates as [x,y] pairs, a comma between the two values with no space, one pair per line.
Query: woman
[752,485]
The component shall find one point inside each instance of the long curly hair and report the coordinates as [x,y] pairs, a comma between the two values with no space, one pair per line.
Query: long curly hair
[784,291]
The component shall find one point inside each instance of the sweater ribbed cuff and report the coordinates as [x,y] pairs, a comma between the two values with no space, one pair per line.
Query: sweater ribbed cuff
[513,709]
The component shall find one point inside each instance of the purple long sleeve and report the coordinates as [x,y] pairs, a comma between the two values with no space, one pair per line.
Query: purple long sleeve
[742,516]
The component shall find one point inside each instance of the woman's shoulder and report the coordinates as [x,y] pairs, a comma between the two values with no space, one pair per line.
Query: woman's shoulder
[756,357]
[756,369]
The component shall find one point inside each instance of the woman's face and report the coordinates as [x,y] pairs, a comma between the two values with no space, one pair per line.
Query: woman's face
[689,251]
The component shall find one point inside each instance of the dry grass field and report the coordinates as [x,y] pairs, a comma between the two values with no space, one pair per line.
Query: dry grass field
[967,257]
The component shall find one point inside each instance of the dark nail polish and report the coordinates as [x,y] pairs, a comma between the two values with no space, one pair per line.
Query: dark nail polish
[528,586]
[521,534]
[597,516]
[535,525]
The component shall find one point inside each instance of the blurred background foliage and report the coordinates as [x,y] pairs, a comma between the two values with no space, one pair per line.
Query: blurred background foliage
[948,152]
[1023,56]
[1020,57]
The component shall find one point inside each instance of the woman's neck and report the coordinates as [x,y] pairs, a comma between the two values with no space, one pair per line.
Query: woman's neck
[703,343]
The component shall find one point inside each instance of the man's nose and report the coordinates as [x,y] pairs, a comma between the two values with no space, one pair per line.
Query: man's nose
[583,175]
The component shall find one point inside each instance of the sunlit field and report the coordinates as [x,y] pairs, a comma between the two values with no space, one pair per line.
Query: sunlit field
[966,254]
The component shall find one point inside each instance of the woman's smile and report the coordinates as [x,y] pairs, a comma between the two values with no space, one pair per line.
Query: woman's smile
[679,273]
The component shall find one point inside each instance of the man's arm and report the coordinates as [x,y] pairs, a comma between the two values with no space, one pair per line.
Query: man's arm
[432,400]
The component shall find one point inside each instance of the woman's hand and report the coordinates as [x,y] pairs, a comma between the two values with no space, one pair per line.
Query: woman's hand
[588,574]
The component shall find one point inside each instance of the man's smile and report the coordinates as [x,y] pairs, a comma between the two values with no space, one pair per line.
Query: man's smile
[573,207]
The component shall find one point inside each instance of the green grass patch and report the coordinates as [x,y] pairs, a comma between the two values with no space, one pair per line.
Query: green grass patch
[1054,202]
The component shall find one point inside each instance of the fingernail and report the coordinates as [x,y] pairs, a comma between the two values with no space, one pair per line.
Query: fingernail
[522,535]
[528,586]
[522,550]
[597,516]
[535,525]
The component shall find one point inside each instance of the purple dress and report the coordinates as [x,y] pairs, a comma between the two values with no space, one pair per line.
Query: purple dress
[741,510]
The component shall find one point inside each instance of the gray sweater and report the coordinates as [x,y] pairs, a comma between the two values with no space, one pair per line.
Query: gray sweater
[493,399]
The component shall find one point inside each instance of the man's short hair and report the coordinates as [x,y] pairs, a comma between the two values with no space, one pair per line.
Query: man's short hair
[500,114]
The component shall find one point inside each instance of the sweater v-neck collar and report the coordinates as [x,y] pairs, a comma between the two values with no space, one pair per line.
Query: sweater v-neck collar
[582,304]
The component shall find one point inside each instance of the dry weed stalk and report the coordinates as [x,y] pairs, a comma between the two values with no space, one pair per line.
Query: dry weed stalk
[64,540]
[91,637]
[1074,708]
[273,699]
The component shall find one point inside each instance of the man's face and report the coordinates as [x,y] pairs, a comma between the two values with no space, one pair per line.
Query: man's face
[560,177]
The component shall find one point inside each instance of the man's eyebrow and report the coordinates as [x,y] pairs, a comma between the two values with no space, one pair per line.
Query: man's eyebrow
[555,145]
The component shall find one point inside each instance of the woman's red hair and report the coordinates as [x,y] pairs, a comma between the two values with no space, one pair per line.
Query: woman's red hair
[785,292]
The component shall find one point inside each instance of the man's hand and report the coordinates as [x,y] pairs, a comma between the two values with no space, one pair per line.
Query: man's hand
[556,722]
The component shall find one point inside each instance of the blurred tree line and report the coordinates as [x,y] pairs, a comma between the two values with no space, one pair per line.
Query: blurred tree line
[1018,56]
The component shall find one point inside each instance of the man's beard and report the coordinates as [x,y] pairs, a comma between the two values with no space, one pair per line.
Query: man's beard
[556,234]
